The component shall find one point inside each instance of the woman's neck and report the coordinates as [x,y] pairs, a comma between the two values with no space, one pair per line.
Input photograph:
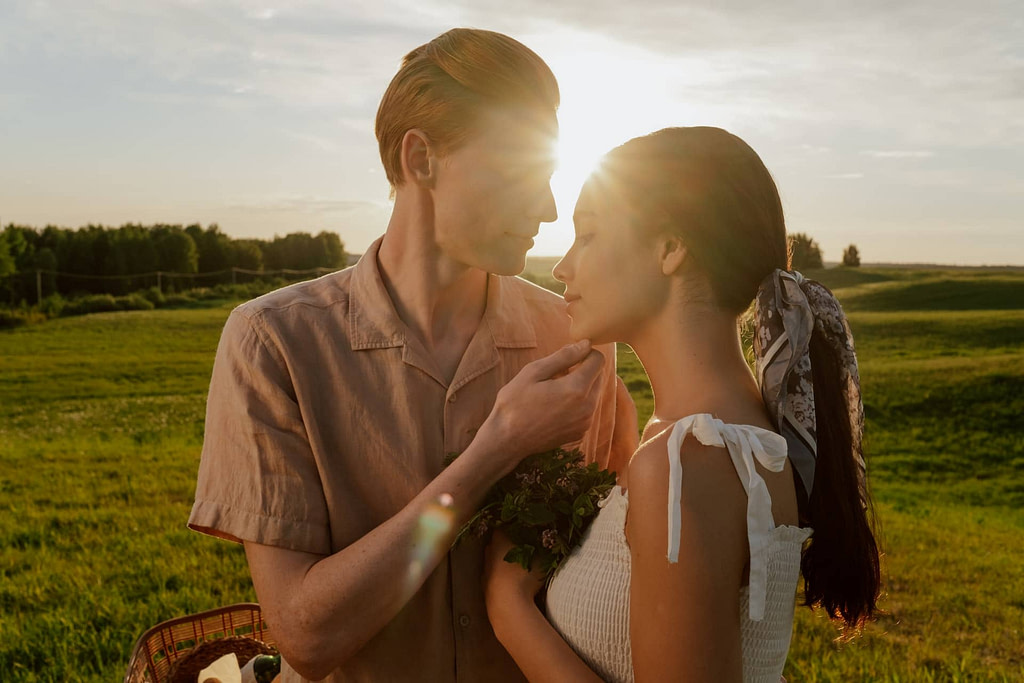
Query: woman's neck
[695,362]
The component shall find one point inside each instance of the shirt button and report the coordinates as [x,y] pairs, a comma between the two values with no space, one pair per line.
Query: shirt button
[451,399]
[464,620]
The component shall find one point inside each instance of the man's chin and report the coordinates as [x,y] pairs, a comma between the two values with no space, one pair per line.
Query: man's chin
[508,266]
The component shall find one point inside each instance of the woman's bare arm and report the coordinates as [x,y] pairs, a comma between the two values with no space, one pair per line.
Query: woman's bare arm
[684,617]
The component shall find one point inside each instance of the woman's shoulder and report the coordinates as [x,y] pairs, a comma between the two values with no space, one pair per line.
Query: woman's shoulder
[703,467]
[711,510]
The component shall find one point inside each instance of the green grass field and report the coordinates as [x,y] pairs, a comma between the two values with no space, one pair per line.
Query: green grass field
[101,421]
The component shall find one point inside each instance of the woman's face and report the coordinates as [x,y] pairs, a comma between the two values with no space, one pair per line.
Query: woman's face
[614,286]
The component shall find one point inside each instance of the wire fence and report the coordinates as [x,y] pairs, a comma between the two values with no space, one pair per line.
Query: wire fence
[21,284]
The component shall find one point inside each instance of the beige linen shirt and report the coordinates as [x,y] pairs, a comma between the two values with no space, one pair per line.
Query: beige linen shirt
[326,416]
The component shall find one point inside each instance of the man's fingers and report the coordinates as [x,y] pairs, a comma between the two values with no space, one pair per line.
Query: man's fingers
[584,375]
[559,361]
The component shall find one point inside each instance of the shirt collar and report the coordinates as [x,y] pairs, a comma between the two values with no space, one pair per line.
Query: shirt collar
[373,322]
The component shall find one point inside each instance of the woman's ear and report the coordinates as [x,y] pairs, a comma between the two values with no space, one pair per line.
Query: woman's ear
[672,254]
[419,159]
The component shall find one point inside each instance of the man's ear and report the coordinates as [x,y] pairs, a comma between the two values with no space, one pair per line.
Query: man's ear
[671,253]
[419,159]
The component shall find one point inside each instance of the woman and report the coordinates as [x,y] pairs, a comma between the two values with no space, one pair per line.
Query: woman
[689,572]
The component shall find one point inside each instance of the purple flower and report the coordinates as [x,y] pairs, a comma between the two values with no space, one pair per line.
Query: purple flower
[549,539]
[480,528]
[567,484]
[529,478]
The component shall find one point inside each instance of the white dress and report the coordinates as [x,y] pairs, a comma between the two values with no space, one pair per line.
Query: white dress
[588,599]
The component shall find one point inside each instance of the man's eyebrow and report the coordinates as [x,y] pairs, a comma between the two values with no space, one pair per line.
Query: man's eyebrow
[582,216]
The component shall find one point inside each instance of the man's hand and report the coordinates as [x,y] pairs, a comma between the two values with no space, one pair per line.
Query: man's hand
[550,402]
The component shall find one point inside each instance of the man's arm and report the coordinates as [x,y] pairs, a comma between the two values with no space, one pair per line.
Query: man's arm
[324,609]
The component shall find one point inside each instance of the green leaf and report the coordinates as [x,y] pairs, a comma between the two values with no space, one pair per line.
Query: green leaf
[509,509]
[537,514]
[521,555]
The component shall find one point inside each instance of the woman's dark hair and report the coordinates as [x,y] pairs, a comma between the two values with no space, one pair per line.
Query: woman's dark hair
[841,563]
[712,190]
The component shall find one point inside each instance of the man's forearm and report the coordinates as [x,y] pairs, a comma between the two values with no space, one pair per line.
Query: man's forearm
[331,607]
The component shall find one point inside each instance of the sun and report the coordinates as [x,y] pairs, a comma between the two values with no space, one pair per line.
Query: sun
[608,96]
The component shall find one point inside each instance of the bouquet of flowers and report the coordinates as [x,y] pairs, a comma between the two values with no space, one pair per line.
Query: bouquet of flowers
[544,506]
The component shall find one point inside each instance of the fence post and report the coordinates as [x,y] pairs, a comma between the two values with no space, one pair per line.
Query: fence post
[39,287]
[233,275]
[159,281]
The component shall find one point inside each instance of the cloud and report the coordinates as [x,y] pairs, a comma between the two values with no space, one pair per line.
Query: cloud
[928,72]
[897,154]
[309,204]
[845,176]
[319,143]
[312,54]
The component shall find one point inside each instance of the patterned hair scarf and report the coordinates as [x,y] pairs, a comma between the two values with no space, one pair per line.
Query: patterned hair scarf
[787,310]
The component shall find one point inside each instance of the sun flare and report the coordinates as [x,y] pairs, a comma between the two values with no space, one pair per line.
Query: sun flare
[608,97]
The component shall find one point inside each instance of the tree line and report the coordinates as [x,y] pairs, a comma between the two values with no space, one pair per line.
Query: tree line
[97,259]
[805,254]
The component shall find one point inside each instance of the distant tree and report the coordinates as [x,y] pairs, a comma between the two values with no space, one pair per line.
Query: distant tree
[247,254]
[214,247]
[804,252]
[21,242]
[46,260]
[7,288]
[54,238]
[6,260]
[303,251]
[332,249]
[177,251]
[851,257]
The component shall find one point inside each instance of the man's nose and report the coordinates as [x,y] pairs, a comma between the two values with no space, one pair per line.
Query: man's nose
[544,209]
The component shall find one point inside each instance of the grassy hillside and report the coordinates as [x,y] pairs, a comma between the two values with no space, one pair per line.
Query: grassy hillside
[101,425]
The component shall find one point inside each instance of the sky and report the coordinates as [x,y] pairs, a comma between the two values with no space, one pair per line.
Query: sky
[895,126]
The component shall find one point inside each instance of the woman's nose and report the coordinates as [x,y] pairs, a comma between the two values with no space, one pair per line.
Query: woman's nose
[561,271]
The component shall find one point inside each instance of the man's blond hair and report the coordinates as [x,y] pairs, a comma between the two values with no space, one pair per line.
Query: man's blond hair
[443,87]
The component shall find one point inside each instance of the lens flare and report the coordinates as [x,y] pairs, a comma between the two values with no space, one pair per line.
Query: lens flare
[432,536]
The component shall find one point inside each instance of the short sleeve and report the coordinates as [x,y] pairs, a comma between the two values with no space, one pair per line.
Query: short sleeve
[258,478]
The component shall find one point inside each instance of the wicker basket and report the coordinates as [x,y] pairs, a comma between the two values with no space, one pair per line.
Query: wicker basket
[179,645]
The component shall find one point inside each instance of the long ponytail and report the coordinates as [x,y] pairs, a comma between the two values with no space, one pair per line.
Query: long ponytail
[841,562]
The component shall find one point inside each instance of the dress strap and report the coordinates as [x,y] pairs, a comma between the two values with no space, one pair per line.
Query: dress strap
[744,443]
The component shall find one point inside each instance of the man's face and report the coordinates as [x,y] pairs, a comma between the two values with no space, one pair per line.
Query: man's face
[493,192]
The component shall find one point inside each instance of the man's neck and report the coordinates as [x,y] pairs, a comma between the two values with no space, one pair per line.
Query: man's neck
[441,301]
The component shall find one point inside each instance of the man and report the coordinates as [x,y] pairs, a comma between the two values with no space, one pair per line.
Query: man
[334,403]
